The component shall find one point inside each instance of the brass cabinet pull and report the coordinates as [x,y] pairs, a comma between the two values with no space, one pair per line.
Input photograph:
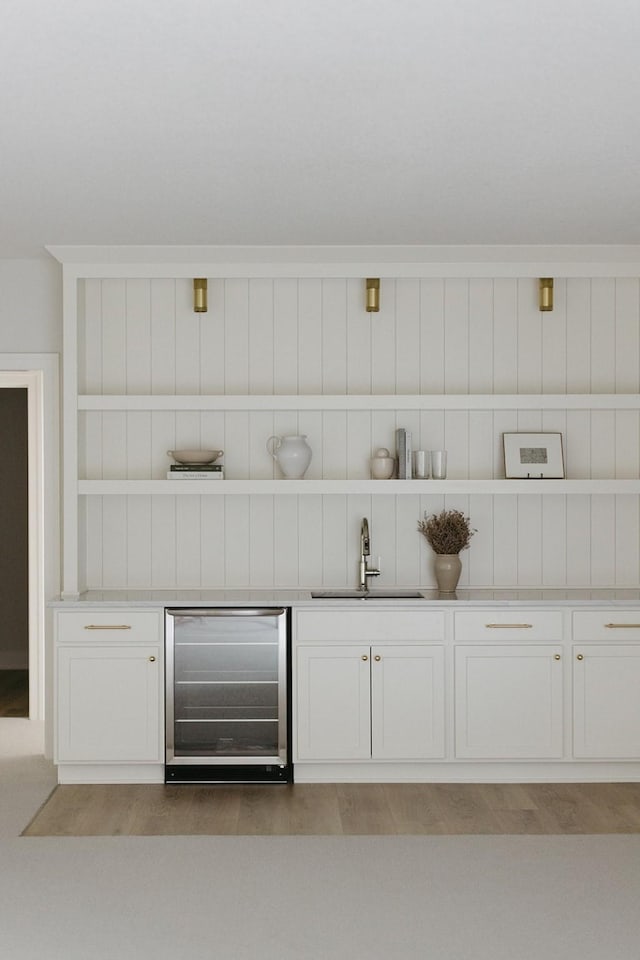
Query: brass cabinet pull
[152,659]
[377,657]
[557,656]
[622,626]
[579,657]
[364,657]
[107,626]
[508,626]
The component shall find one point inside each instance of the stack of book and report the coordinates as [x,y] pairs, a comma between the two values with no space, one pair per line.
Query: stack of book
[196,471]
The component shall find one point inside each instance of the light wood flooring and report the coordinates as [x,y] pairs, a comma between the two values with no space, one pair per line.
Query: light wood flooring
[14,693]
[339,809]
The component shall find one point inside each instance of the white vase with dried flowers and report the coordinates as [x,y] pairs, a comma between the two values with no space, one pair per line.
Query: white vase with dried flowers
[447,533]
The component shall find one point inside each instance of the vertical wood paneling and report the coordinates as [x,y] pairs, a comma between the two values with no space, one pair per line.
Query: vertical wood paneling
[407,339]
[236,337]
[479,557]
[212,542]
[286,336]
[603,533]
[138,333]
[359,336]
[114,336]
[310,541]
[138,445]
[408,540]
[187,343]
[261,336]
[164,571]
[456,336]
[480,336]
[138,542]
[163,336]
[529,338]
[261,541]
[505,541]
[238,541]
[310,336]
[554,342]
[529,539]
[578,541]
[383,341]
[188,540]
[627,541]
[90,339]
[603,340]
[212,340]
[554,540]
[114,542]
[505,336]
[334,336]
[627,336]
[432,336]
[578,336]
[286,569]
[335,531]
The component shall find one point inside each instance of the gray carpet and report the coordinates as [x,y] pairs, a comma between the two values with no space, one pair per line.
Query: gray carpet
[305,898]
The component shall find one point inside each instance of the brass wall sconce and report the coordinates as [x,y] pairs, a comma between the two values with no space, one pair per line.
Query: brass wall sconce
[200,295]
[373,295]
[545,293]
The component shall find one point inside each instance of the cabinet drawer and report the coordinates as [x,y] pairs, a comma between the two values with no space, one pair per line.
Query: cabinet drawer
[120,624]
[513,624]
[618,625]
[369,625]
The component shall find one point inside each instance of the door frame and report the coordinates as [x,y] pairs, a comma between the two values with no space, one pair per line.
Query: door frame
[39,374]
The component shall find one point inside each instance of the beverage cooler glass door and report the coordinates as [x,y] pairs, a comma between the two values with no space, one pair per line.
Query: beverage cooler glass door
[226,688]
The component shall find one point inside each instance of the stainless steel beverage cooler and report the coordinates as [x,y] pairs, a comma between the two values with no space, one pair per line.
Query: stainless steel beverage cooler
[227,675]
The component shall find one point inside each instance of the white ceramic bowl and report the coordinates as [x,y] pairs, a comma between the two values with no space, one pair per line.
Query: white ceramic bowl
[195,456]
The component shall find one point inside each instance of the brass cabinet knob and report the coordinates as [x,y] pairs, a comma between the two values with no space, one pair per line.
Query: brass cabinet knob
[377,657]
[364,657]
[557,656]
[579,657]
[152,659]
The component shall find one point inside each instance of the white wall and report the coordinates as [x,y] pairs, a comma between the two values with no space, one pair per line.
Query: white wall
[312,336]
[30,306]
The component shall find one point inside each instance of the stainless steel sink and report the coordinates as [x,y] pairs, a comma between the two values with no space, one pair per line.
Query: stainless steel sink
[371,595]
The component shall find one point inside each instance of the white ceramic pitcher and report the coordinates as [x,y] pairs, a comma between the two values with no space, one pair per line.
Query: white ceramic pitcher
[292,454]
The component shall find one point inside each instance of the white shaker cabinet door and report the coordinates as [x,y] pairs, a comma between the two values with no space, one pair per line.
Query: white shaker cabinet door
[606,701]
[508,701]
[333,702]
[109,704]
[407,702]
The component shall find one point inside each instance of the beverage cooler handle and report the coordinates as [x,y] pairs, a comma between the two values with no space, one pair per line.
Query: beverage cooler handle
[228,612]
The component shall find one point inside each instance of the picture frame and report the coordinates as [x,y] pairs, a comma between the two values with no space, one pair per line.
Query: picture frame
[533,456]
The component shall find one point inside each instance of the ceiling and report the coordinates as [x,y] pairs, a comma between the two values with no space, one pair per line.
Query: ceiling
[306,122]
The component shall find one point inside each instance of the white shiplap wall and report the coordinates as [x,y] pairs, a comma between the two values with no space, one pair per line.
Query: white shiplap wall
[313,336]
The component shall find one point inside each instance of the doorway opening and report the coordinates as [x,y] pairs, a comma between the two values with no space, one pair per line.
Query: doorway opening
[14,553]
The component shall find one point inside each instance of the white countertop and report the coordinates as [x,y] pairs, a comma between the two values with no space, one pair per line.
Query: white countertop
[278,597]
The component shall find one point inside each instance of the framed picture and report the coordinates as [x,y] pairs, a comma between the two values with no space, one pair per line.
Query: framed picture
[533,456]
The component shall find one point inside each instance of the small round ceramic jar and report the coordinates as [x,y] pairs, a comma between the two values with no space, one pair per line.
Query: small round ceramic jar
[382,465]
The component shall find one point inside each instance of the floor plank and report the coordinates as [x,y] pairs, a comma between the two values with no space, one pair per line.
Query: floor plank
[338,809]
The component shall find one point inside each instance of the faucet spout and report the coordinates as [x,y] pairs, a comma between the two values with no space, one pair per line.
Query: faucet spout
[366,570]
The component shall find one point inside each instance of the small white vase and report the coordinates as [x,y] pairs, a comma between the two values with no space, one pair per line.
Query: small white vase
[448,568]
[292,454]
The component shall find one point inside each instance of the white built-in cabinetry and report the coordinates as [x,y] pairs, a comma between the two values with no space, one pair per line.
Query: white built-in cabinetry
[459,354]
[361,698]
[109,694]
[511,693]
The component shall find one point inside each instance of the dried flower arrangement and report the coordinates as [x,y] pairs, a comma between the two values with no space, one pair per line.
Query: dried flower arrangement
[447,532]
